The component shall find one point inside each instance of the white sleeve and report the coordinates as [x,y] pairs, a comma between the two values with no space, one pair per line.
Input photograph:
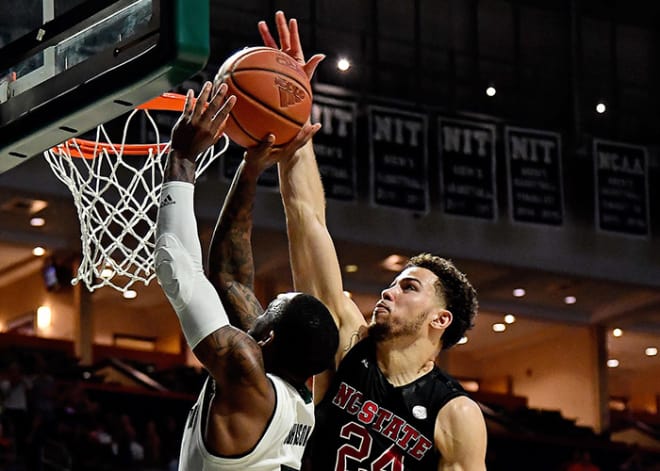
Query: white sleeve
[178,259]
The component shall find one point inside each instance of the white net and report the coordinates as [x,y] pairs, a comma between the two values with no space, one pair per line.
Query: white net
[116,191]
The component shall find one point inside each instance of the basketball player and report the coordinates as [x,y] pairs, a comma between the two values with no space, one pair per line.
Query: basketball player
[387,406]
[254,412]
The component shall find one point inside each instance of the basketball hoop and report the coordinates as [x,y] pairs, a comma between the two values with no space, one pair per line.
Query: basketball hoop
[116,190]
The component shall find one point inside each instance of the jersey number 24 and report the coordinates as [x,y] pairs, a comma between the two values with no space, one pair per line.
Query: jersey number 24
[390,460]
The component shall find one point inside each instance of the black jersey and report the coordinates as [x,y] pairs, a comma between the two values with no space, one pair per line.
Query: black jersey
[366,423]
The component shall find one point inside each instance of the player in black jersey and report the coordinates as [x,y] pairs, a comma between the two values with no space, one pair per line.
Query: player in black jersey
[385,405]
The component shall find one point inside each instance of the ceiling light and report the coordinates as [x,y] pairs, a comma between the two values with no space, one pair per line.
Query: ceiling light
[37,222]
[509,318]
[129,294]
[350,268]
[612,363]
[107,272]
[394,262]
[519,292]
[491,91]
[470,385]
[43,317]
[38,251]
[601,108]
[343,64]
[463,340]
[570,299]
[348,294]
[651,351]
[617,332]
[499,327]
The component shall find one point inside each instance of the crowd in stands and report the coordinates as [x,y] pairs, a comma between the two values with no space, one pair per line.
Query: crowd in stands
[57,415]
[66,422]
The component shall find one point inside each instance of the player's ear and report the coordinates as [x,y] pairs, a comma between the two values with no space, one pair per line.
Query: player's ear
[441,319]
[267,340]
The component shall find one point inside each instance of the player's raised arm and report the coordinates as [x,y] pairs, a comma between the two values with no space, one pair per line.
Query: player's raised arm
[231,265]
[314,260]
[227,353]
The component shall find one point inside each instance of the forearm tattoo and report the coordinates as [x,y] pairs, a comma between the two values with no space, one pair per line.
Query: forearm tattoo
[242,305]
[230,256]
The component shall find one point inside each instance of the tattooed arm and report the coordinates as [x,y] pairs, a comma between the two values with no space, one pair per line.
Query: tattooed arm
[231,356]
[244,398]
[231,265]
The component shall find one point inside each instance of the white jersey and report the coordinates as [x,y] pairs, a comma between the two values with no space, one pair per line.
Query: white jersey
[280,447]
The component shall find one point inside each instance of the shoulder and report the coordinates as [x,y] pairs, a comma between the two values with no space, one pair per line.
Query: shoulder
[458,410]
[460,432]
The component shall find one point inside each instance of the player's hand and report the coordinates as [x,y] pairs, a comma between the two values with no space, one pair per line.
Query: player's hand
[264,155]
[202,122]
[289,42]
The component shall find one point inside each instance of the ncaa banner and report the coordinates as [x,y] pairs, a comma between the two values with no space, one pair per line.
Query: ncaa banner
[467,171]
[533,161]
[622,192]
[398,158]
[335,146]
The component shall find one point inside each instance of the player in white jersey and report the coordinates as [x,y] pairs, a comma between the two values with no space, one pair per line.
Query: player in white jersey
[255,411]
[279,447]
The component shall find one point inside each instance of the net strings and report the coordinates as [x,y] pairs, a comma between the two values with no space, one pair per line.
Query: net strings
[117,217]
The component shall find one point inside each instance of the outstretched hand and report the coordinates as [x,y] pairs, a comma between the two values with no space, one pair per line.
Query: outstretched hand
[202,122]
[289,42]
[264,155]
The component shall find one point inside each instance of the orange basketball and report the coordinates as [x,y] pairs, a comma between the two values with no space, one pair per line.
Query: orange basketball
[273,95]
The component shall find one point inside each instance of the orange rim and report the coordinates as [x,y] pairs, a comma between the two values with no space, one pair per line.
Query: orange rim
[84,148]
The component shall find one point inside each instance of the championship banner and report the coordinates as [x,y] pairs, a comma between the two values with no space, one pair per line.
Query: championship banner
[398,158]
[622,193]
[467,150]
[533,160]
[335,146]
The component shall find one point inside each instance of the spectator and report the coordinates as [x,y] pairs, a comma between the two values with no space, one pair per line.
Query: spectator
[16,422]
[634,462]
[128,450]
[152,445]
[171,443]
[42,409]
[581,462]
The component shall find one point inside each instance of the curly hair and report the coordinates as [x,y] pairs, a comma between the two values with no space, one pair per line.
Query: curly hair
[454,288]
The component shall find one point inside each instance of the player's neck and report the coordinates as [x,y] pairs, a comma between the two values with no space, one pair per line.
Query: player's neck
[403,362]
[294,380]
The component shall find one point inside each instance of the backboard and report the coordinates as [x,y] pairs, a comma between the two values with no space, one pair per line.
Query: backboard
[69,65]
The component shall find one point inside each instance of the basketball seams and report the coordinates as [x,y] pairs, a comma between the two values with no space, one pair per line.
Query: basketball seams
[238,124]
[265,106]
[275,71]
[282,109]
[245,57]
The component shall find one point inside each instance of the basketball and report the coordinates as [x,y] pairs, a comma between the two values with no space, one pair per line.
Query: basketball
[273,95]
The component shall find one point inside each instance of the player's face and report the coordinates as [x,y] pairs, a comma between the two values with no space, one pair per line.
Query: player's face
[404,307]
